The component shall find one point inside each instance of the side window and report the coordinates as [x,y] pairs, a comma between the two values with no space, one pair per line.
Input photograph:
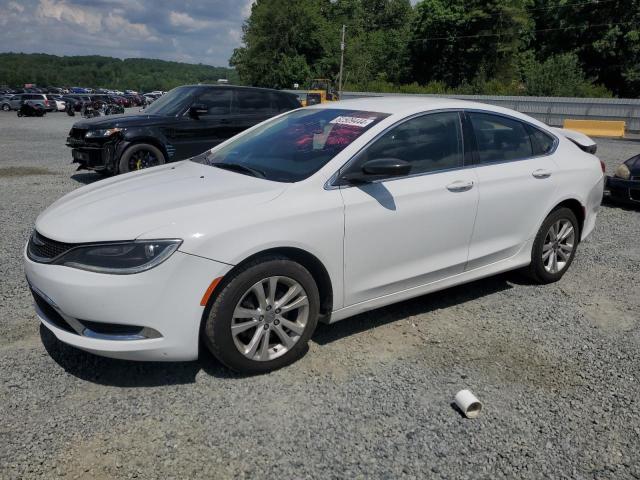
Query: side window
[253,102]
[500,138]
[429,143]
[217,101]
[541,142]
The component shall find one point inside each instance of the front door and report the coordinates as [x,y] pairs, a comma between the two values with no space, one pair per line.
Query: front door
[191,136]
[410,231]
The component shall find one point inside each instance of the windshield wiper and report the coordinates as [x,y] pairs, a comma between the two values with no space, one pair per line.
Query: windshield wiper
[237,167]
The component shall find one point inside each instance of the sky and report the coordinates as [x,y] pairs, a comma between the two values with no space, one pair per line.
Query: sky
[192,31]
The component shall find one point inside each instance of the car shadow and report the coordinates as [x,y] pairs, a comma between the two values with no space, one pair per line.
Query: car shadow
[124,373]
[87,177]
[449,297]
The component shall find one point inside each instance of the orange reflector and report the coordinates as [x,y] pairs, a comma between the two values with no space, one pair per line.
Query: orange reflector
[207,294]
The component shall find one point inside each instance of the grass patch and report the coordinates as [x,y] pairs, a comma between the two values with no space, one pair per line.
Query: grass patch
[23,171]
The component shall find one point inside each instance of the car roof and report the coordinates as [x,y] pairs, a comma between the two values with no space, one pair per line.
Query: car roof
[240,87]
[404,105]
[409,105]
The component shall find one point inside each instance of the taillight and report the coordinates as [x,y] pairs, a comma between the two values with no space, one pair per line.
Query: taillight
[603,166]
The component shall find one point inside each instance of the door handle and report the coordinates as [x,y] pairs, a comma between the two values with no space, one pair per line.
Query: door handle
[225,121]
[541,173]
[460,186]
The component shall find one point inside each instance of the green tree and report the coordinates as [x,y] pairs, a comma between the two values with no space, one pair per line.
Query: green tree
[282,41]
[605,36]
[454,41]
[141,74]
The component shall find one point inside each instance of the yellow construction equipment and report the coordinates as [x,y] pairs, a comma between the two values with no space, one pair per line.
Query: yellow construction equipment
[321,91]
[597,128]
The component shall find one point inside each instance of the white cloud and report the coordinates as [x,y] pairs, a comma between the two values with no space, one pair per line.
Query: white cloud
[62,12]
[15,7]
[184,20]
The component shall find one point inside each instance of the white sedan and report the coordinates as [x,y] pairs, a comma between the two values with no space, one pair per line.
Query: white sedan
[315,215]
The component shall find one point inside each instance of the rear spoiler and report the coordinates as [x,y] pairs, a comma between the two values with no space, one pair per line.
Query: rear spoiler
[584,143]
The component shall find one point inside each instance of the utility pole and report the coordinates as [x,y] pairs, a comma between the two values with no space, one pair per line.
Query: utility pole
[341,63]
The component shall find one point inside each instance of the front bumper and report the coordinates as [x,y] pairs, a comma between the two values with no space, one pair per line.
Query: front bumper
[157,312]
[624,190]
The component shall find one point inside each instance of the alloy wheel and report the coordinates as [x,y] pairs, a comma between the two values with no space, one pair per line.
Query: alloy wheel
[142,159]
[270,318]
[558,246]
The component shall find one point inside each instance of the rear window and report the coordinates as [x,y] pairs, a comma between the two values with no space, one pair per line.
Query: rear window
[253,102]
[296,145]
[541,143]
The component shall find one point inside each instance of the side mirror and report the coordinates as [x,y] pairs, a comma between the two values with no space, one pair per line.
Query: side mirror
[377,169]
[198,109]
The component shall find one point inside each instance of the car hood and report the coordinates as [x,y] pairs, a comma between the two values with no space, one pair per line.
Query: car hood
[121,121]
[125,207]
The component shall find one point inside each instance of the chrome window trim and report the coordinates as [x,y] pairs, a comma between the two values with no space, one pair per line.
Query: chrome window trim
[330,184]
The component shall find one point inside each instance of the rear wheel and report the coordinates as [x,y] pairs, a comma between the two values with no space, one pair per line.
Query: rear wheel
[263,317]
[140,156]
[554,246]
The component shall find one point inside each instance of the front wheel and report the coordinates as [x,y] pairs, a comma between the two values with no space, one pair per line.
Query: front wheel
[140,156]
[5,108]
[263,316]
[554,246]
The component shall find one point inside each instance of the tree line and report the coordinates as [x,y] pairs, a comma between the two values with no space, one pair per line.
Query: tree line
[139,74]
[510,47]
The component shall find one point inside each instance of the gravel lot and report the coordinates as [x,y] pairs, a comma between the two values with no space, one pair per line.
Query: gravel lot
[556,367]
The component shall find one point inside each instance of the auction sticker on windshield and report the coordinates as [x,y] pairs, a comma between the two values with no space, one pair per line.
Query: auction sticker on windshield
[353,121]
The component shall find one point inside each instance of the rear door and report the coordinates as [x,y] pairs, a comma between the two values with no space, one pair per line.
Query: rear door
[515,172]
[192,136]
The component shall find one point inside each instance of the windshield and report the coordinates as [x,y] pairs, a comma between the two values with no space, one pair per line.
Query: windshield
[173,102]
[294,146]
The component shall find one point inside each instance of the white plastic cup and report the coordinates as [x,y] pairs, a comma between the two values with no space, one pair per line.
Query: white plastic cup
[468,404]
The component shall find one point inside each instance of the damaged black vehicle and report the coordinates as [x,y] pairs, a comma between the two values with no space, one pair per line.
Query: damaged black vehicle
[181,124]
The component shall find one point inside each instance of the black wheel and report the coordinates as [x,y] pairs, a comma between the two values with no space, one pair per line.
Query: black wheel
[5,107]
[139,156]
[19,113]
[554,246]
[263,316]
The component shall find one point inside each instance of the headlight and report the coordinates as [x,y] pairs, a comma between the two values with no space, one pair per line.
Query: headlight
[120,258]
[623,172]
[102,133]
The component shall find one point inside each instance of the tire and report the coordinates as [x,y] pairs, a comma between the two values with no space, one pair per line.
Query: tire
[6,107]
[129,156]
[19,113]
[237,288]
[541,270]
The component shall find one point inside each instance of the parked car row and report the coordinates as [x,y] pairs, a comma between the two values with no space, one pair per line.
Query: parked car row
[57,102]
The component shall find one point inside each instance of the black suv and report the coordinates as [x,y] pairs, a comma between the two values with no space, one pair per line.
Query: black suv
[181,124]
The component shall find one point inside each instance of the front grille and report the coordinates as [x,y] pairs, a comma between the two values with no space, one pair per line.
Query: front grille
[50,313]
[43,249]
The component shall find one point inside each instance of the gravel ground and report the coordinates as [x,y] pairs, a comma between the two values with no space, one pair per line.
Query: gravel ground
[556,367]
